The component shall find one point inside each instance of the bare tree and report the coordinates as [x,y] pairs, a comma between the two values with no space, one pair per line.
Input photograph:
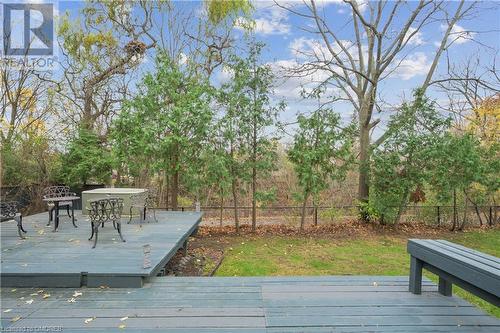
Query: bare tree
[382,35]
[99,53]
[22,87]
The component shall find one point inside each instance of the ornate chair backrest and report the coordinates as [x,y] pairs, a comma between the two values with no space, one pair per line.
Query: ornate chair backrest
[116,208]
[152,198]
[56,192]
[9,209]
[138,199]
[104,209]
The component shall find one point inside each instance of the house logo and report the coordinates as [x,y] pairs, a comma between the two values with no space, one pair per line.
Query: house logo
[28,34]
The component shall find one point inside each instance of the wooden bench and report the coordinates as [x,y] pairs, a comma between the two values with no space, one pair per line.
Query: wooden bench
[476,272]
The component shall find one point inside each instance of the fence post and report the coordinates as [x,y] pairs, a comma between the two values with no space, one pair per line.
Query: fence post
[490,220]
[315,215]
[439,216]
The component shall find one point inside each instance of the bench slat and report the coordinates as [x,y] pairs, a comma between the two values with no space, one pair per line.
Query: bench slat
[465,261]
[472,251]
[477,274]
[469,255]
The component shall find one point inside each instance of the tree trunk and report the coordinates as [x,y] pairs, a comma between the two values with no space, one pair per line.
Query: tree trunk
[254,201]
[364,162]
[175,180]
[221,205]
[234,186]
[175,190]
[167,189]
[303,214]
[465,214]
[401,206]
[455,214]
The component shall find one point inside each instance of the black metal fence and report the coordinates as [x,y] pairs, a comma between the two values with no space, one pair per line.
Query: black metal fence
[441,215]
[438,215]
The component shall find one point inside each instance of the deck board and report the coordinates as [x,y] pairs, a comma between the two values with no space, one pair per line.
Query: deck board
[65,258]
[250,305]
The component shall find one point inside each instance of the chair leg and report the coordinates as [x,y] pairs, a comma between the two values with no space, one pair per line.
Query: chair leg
[130,218]
[119,228]
[96,232]
[154,214]
[21,224]
[20,228]
[92,227]
[73,216]
[51,212]
[67,211]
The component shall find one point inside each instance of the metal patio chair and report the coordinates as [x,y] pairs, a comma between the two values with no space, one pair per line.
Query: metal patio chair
[58,191]
[10,211]
[144,203]
[104,210]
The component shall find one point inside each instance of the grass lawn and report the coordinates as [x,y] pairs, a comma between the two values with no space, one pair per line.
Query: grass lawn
[373,255]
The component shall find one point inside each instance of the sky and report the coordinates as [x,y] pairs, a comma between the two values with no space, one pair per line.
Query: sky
[286,38]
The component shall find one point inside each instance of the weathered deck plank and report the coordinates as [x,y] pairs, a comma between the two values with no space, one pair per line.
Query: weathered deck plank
[65,258]
[250,305]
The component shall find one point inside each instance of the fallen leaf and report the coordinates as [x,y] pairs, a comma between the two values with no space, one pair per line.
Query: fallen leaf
[24,265]
[34,294]
[13,290]
[41,232]
[15,319]
[88,320]
[29,301]
[122,326]
[40,291]
[46,296]
[124,318]
[71,300]
[77,293]
[8,310]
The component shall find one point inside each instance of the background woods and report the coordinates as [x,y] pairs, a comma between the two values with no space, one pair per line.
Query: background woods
[187,98]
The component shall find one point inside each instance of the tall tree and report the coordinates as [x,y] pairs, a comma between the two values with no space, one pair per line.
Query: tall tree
[321,151]
[358,59]
[403,163]
[168,120]
[249,94]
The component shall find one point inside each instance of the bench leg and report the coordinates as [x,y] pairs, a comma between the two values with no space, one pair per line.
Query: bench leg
[444,287]
[185,248]
[415,275]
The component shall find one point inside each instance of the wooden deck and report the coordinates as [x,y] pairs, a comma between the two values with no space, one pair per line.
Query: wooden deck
[248,304]
[65,258]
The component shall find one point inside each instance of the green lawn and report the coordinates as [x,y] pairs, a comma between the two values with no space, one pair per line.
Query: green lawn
[378,255]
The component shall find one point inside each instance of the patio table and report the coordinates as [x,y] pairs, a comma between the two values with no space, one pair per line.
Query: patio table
[56,201]
[118,192]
